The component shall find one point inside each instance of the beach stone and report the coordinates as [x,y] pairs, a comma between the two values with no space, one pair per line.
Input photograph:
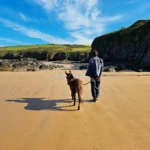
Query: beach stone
[110,69]
[25,64]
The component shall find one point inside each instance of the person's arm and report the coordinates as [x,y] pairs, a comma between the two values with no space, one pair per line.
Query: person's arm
[89,69]
[102,66]
[101,70]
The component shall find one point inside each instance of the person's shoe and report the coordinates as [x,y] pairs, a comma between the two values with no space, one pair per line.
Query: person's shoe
[94,99]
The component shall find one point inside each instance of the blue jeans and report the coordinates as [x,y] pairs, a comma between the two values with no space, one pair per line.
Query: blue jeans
[95,88]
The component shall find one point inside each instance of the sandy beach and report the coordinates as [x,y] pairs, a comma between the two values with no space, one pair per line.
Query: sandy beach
[36,112]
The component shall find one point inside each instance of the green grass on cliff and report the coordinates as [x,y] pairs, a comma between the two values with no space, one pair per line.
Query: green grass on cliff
[133,34]
[42,52]
[140,26]
[47,47]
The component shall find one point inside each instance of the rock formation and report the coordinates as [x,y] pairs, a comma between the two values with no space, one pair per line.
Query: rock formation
[129,46]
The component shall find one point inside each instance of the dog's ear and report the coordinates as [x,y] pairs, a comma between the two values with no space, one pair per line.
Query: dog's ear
[70,72]
[66,72]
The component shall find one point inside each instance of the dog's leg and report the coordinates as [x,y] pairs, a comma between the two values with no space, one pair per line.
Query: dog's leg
[81,91]
[74,96]
[79,95]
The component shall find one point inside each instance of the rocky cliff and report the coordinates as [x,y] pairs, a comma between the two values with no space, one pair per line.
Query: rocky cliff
[128,45]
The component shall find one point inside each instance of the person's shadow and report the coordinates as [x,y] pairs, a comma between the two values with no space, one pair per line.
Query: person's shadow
[42,104]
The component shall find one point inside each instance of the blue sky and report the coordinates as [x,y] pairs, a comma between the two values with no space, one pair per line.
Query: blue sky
[65,21]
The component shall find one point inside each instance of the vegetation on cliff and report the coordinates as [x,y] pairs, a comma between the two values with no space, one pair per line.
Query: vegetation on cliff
[127,45]
[46,52]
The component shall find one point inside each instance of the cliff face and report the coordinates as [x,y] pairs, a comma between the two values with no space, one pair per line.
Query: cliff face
[129,45]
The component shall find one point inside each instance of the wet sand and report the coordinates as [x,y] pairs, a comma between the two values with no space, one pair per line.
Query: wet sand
[36,112]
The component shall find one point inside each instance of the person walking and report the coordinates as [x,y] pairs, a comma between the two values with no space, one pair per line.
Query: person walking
[94,71]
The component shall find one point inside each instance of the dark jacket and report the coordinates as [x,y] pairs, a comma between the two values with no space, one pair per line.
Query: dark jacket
[95,67]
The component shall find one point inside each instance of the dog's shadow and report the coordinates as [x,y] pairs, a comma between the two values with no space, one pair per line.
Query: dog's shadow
[42,104]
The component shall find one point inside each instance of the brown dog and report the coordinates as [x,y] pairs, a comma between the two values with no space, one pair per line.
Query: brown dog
[76,86]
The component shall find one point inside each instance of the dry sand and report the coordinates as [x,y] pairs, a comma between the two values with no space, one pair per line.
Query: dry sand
[36,113]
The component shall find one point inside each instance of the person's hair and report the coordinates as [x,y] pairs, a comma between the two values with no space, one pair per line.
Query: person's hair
[95,53]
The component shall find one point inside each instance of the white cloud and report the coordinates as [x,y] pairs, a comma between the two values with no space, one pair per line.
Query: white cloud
[95,14]
[11,41]
[80,38]
[15,15]
[82,18]
[48,5]
[32,33]
[73,18]
[110,19]
[78,13]
[23,17]
[84,13]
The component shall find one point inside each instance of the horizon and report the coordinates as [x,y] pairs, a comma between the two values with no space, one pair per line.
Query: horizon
[44,44]
[65,21]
